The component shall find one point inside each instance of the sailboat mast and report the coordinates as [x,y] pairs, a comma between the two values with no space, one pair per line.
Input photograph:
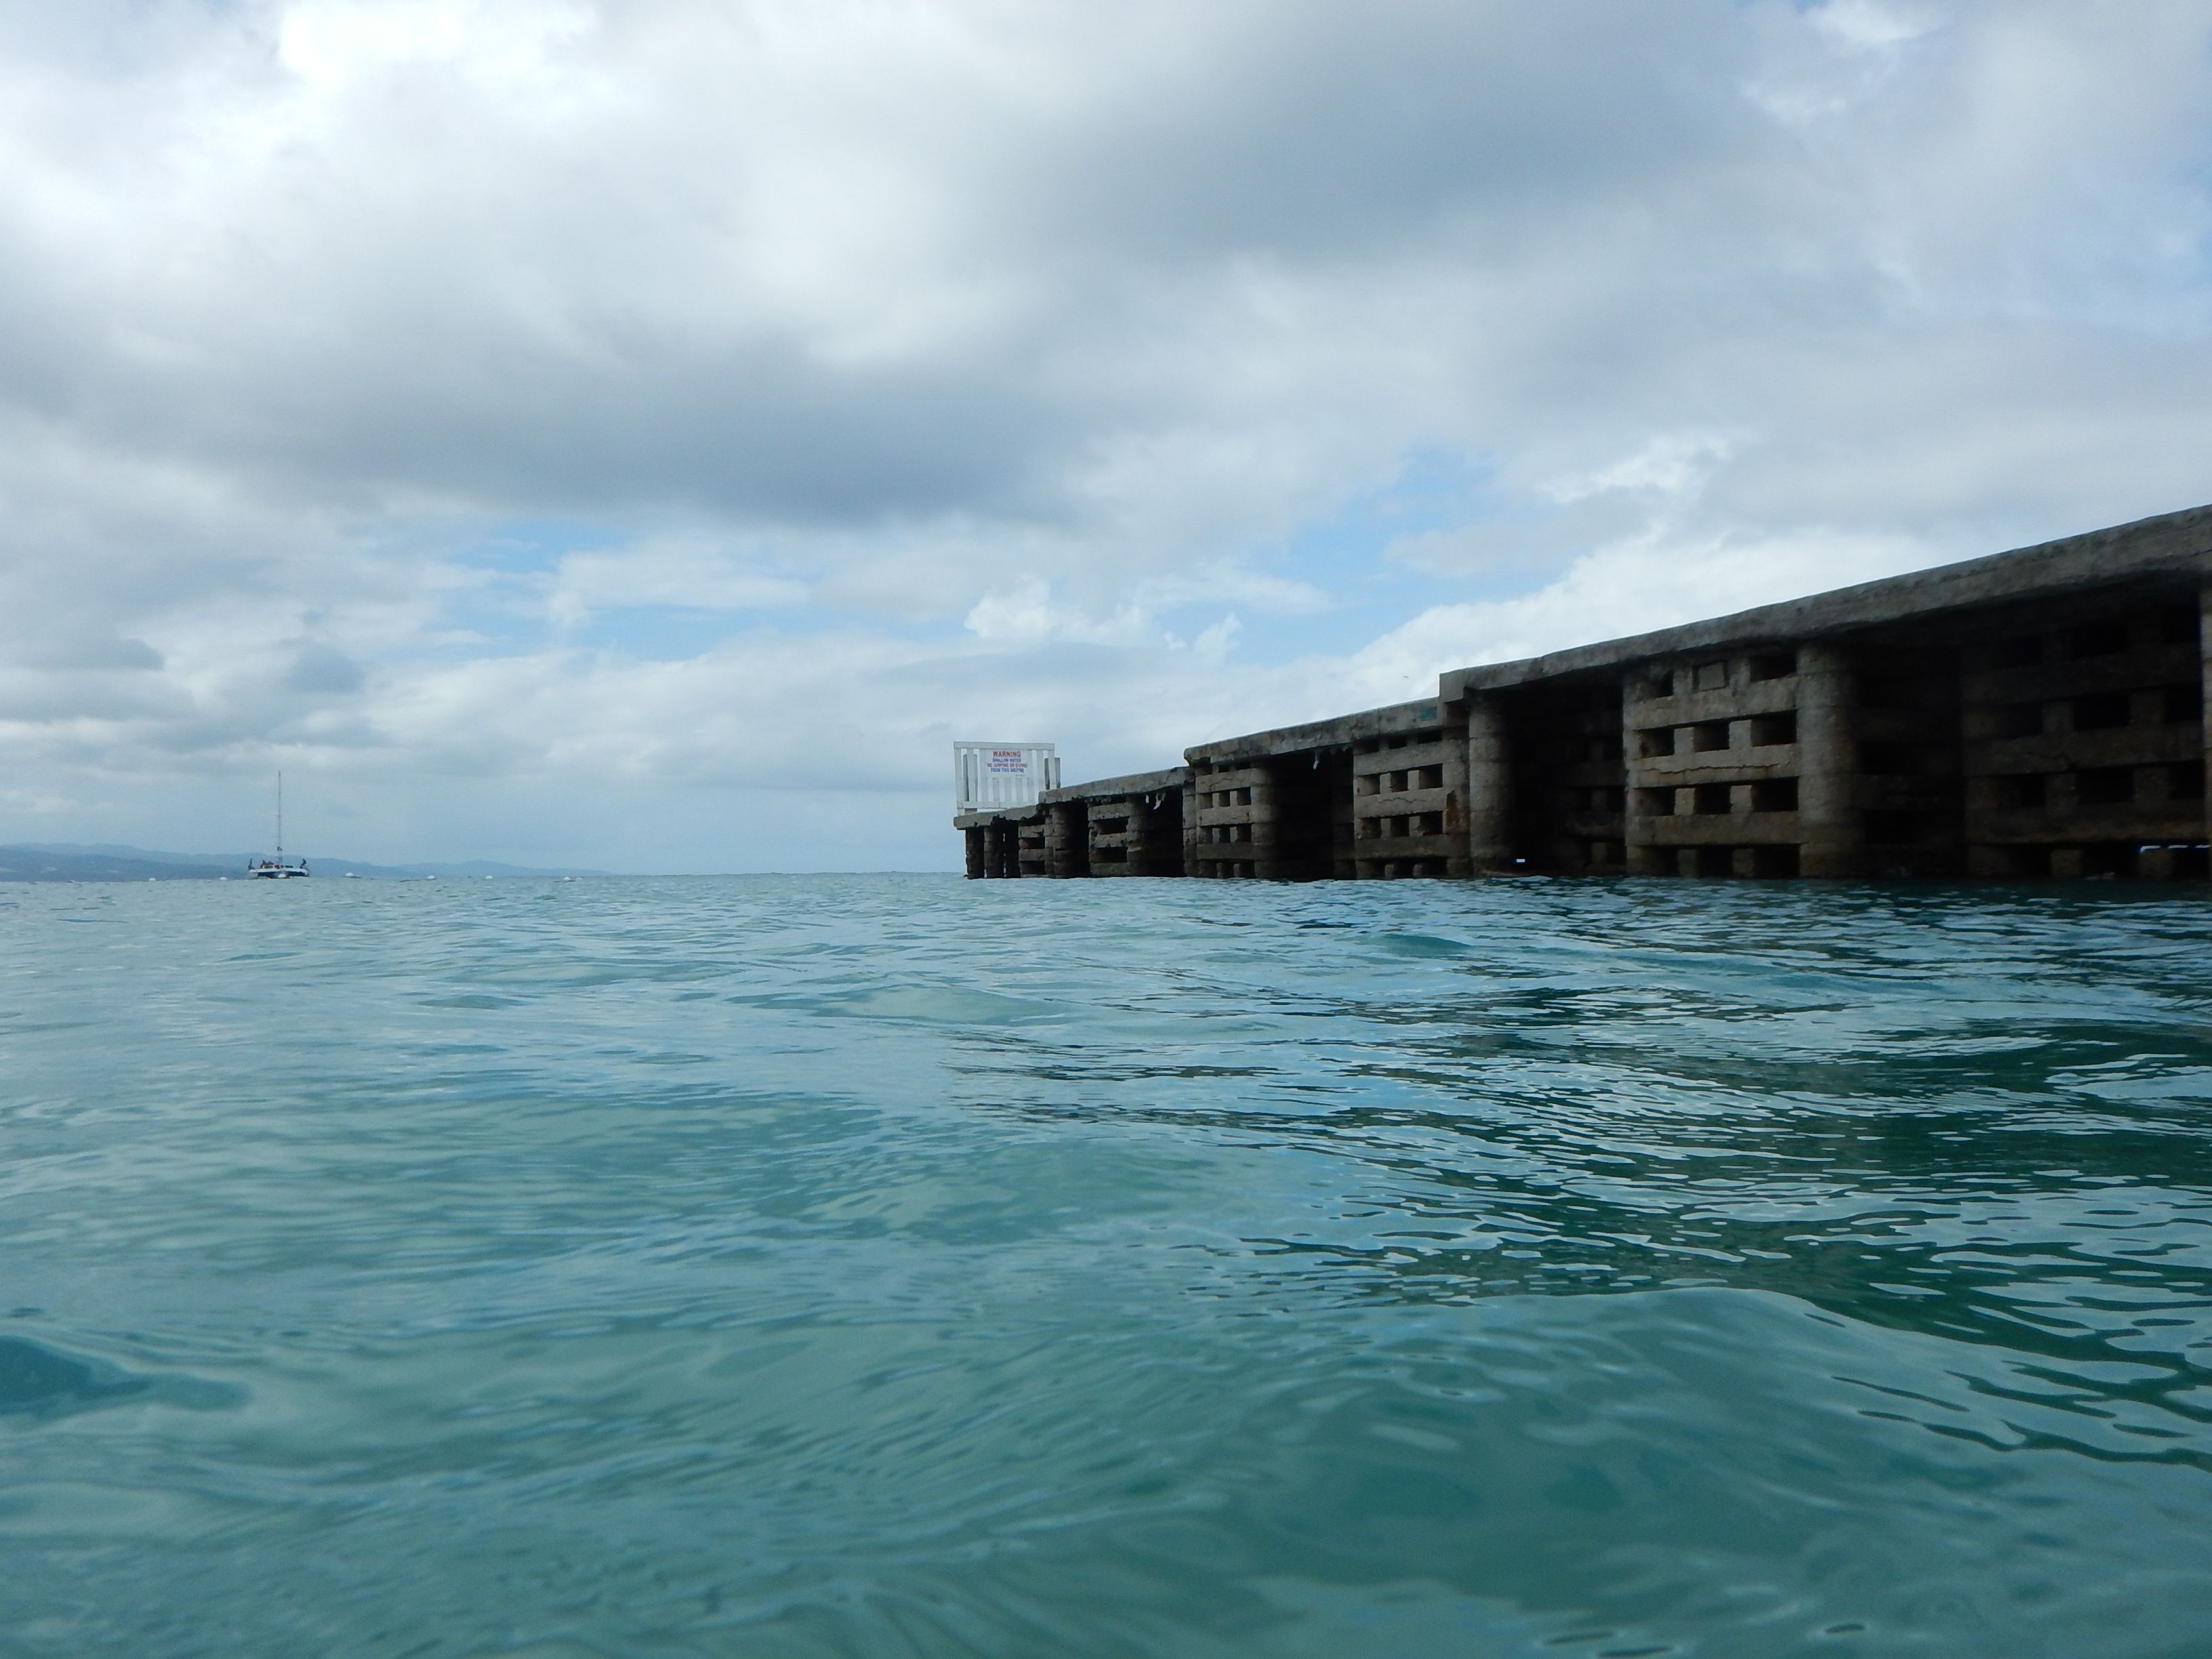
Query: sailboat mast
[280,815]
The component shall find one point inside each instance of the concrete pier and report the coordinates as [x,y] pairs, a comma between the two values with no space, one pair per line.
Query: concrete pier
[1365,795]
[1128,826]
[2037,713]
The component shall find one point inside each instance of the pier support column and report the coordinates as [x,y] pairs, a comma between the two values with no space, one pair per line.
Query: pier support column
[2204,651]
[1067,839]
[1489,787]
[1833,829]
[1640,854]
[973,836]
[1461,863]
[1189,823]
[1005,859]
[1266,825]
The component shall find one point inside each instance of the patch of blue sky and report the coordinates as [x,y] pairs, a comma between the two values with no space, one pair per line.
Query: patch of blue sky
[1354,556]
[660,633]
[533,546]
[499,577]
[507,601]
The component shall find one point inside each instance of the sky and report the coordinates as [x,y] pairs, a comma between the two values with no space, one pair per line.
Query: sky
[646,434]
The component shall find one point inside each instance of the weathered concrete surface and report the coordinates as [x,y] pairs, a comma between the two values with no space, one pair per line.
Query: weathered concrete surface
[1003,845]
[1134,783]
[1126,826]
[1331,798]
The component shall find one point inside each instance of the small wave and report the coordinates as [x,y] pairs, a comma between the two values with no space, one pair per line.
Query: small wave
[38,1382]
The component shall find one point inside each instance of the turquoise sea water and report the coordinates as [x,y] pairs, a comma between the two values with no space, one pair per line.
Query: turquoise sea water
[902,1265]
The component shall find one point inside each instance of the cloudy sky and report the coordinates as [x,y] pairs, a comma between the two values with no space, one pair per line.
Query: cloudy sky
[645,433]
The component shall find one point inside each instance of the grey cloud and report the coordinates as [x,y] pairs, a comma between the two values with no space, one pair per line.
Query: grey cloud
[322,670]
[1332,135]
[65,653]
[468,334]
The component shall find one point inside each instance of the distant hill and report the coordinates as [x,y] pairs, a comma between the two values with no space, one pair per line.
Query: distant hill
[67,862]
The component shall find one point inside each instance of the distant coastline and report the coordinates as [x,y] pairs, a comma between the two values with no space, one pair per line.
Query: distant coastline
[69,861]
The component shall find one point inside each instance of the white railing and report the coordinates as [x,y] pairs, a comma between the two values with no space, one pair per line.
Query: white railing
[995,777]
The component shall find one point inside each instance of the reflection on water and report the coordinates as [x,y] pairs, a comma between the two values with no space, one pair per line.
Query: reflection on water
[902,1265]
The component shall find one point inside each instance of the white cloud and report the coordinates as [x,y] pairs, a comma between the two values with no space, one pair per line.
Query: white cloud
[671,572]
[1632,588]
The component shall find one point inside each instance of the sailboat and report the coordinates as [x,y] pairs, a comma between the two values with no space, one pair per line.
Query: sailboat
[275,869]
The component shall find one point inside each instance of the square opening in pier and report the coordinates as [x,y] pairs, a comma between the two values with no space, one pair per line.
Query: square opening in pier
[2105,786]
[2101,711]
[1893,828]
[2108,858]
[2021,651]
[1710,677]
[1774,862]
[1769,730]
[2017,719]
[2181,705]
[2182,862]
[1712,799]
[1774,795]
[2176,625]
[1655,803]
[2100,639]
[1773,665]
[1709,735]
[2023,789]
[2013,863]
[1654,741]
[1890,760]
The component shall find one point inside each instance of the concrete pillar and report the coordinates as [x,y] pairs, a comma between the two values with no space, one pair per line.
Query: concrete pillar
[1067,838]
[1831,828]
[1489,787]
[1189,824]
[1267,822]
[973,836]
[1461,863]
[2204,651]
[1638,857]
